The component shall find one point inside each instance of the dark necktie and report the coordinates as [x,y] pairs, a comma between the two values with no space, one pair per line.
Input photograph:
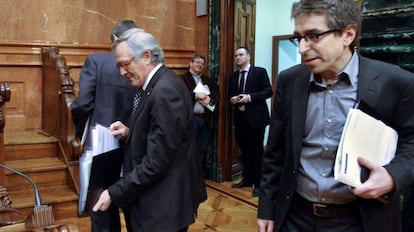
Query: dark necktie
[137,99]
[241,82]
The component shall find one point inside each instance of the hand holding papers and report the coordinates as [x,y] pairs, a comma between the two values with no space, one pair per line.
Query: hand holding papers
[363,136]
[203,89]
[200,88]
[99,166]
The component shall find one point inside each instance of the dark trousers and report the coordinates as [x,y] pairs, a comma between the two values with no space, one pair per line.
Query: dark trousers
[106,221]
[250,141]
[130,221]
[302,218]
[203,133]
[408,210]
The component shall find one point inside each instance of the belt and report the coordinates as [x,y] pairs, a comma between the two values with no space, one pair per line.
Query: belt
[199,114]
[325,210]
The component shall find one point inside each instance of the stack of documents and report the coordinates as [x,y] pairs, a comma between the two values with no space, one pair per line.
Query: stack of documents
[104,158]
[200,88]
[364,136]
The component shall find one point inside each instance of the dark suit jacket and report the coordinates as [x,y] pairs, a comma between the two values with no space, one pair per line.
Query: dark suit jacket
[104,94]
[259,88]
[163,186]
[214,96]
[387,88]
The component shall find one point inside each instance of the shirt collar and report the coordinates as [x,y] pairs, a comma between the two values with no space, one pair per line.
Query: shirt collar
[351,70]
[150,75]
[245,69]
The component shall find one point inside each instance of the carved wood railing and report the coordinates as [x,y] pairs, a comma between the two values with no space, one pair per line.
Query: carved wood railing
[4,97]
[7,214]
[57,95]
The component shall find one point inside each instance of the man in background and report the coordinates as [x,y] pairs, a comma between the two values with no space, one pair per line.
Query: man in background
[298,189]
[249,87]
[104,97]
[162,184]
[204,104]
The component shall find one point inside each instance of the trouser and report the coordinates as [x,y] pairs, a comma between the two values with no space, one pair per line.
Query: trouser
[250,141]
[408,210]
[305,216]
[106,221]
[203,133]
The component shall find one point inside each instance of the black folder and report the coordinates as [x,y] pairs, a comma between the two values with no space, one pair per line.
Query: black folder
[105,171]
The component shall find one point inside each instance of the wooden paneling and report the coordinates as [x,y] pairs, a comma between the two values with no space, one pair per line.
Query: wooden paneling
[21,67]
[90,21]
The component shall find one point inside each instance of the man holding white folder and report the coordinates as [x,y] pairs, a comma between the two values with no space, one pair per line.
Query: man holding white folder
[298,190]
[204,95]
[104,96]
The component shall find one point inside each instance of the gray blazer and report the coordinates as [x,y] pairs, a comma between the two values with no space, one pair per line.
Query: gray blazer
[388,89]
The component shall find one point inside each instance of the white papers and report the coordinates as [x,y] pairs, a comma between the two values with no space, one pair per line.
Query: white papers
[363,136]
[200,88]
[85,164]
[102,141]
[85,131]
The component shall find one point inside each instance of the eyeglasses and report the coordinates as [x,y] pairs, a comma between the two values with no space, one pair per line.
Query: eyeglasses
[125,64]
[310,38]
[199,62]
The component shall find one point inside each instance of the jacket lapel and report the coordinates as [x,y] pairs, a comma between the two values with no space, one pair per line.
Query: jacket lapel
[299,108]
[147,92]
[367,84]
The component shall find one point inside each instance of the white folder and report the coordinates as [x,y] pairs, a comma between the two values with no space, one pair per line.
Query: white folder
[364,136]
[102,141]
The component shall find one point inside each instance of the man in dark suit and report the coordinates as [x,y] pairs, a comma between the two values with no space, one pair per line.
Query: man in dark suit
[104,97]
[298,189]
[248,89]
[203,103]
[162,184]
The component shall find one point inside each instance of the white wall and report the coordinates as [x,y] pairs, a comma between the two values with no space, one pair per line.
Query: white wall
[272,18]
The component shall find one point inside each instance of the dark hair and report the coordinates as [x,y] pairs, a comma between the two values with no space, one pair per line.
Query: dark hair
[245,48]
[339,13]
[198,56]
[122,26]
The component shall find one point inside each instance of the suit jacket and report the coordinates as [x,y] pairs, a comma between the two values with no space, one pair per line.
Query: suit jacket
[214,96]
[163,185]
[104,94]
[385,87]
[259,88]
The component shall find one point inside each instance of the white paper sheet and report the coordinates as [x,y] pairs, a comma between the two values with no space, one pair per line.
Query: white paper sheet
[363,136]
[102,141]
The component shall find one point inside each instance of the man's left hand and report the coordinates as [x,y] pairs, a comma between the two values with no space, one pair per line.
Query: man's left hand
[103,203]
[377,185]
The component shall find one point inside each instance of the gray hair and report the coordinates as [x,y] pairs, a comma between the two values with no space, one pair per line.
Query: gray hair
[339,13]
[139,42]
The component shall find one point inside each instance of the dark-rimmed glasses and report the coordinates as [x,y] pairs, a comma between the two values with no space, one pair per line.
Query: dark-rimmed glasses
[310,38]
[125,64]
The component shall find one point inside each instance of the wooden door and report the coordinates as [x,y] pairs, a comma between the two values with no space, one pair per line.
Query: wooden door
[237,28]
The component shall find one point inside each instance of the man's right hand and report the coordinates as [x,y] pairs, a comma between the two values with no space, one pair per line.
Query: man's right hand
[265,225]
[119,130]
